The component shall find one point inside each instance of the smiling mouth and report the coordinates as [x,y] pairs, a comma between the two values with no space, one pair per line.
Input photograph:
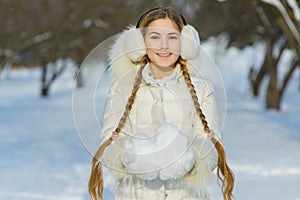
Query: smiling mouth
[163,54]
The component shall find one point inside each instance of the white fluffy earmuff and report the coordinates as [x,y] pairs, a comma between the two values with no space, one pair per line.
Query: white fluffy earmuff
[190,42]
[134,44]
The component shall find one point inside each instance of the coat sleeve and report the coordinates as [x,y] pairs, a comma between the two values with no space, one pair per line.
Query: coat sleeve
[207,101]
[114,110]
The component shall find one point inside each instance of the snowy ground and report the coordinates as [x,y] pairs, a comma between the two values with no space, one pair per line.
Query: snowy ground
[44,157]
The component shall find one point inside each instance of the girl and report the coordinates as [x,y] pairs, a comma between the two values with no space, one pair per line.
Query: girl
[160,128]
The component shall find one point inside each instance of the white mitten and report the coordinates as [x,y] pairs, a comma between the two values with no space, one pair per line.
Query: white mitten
[167,154]
[178,156]
[138,157]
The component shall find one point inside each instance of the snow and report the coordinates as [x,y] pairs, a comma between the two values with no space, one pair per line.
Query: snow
[46,154]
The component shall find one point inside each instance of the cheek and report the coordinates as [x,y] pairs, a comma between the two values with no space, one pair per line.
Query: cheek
[151,53]
[152,44]
[175,47]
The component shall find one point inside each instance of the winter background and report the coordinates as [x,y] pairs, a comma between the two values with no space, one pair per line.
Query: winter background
[44,154]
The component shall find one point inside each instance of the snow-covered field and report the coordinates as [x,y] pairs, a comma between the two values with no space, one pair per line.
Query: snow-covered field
[45,155]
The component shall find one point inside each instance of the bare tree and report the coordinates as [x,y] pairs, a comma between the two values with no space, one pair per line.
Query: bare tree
[40,32]
[249,21]
[35,32]
[282,33]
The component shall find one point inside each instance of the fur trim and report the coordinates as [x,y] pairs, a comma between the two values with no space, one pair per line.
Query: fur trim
[201,175]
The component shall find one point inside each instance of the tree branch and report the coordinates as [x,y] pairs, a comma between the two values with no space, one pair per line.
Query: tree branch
[288,76]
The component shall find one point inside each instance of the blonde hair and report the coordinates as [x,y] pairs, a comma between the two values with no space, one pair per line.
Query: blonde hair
[224,173]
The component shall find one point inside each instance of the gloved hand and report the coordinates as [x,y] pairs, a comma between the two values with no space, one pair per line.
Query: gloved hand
[168,154]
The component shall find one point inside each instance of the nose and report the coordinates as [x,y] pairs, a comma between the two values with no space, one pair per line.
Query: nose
[164,43]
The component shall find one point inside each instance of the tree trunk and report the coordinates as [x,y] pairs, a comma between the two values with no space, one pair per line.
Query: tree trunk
[260,76]
[44,88]
[264,68]
[45,92]
[78,75]
[79,79]
[273,96]
[47,83]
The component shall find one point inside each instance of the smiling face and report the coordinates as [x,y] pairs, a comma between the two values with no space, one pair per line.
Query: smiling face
[162,40]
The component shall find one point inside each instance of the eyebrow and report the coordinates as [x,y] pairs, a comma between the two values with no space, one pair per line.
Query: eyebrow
[172,33]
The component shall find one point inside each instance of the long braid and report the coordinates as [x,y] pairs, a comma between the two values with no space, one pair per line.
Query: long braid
[131,99]
[96,179]
[224,173]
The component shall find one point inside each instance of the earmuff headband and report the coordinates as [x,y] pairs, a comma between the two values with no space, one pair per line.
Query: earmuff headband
[154,9]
